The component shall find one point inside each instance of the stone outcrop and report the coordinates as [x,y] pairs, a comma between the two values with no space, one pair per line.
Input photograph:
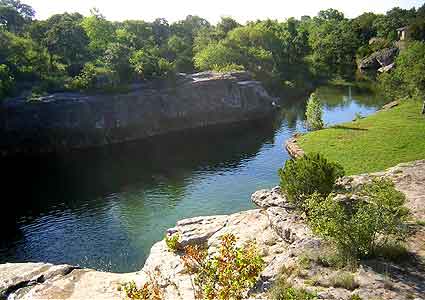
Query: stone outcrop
[282,237]
[291,145]
[66,121]
[379,59]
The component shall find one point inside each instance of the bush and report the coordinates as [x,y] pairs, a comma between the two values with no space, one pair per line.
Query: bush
[6,81]
[344,280]
[93,77]
[314,113]
[150,290]
[362,227]
[408,78]
[228,275]
[284,292]
[173,242]
[309,174]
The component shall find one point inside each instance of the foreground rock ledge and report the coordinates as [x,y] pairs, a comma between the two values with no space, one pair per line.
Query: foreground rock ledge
[281,236]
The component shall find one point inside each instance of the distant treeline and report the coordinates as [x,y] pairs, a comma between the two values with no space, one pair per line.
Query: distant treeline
[72,52]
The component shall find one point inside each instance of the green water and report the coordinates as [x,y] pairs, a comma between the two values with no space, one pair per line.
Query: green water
[105,208]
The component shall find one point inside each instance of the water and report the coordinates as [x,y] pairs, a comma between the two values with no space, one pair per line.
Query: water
[104,209]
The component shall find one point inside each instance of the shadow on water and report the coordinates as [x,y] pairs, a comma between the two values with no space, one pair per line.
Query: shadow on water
[71,185]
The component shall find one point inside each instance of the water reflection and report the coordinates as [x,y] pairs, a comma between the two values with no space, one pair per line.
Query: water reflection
[104,208]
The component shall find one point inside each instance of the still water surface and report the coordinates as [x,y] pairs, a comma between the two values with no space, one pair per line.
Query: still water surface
[104,209]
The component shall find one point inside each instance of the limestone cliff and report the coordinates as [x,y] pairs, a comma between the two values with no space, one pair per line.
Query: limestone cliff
[73,120]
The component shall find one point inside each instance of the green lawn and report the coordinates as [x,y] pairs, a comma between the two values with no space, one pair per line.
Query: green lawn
[375,143]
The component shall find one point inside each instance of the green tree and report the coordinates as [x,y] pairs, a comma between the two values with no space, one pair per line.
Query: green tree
[15,15]
[408,78]
[395,18]
[66,39]
[333,43]
[100,31]
[314,113]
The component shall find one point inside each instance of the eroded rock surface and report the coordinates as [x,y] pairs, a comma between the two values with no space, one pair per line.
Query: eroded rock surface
[64,121]
[282,237]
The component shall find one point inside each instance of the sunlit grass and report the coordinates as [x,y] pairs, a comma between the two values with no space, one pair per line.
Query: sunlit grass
[374,143]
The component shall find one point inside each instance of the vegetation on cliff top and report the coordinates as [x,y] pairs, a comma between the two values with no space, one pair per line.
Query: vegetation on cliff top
[72,51]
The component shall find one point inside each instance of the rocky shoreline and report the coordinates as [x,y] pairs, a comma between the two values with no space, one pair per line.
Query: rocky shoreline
[281,236]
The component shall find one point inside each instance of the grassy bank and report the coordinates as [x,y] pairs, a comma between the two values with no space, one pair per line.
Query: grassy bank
[374,143]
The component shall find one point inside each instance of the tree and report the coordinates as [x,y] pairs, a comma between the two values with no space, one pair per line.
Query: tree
[333,43]
[100,31]
[408,78]
[314,113]
[117,58]
[226,25]
[14,15]
[364,26]
[395,18]
[66,39]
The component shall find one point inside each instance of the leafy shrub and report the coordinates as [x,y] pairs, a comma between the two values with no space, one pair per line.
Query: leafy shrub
[150,290]
[6,81]
[229,274]
[173,242]
[93,76]
[314,113]
[408,78]
[284,292]
[360,228]
[149,64]
[309,174]
[227,68]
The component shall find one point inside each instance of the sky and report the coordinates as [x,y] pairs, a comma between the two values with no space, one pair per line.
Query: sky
[212,10]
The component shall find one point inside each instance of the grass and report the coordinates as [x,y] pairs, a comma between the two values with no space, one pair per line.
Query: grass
[344,280]
[375,143]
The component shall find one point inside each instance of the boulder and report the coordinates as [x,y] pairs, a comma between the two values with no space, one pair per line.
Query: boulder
[269,198]
[378,59]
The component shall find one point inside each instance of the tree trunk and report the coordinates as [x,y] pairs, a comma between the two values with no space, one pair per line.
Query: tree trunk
[423,108]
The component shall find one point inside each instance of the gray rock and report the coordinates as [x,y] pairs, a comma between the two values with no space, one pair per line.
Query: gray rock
[66,121]
[269,198]
[379,59]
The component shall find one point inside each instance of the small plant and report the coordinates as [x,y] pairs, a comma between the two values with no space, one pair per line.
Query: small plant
[150,290]
[173,241]
[358,116]
[314,113]
[290,293]
[309,174]
[361,228]
[344,280]
[228,275]
[355,297]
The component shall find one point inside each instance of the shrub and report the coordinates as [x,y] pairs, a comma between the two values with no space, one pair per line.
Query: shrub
[228,275]
[284,292]
[6,81]
[150,290]
[344,280]
[361,227]
[314,113]
[93,76]
[172,242]
[408,78]
[309,174]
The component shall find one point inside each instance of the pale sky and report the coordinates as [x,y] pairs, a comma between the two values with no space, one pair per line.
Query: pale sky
[212,10]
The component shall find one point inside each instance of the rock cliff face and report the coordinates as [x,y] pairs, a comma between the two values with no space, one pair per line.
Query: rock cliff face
[282,237]
[73,120]
[381,60]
